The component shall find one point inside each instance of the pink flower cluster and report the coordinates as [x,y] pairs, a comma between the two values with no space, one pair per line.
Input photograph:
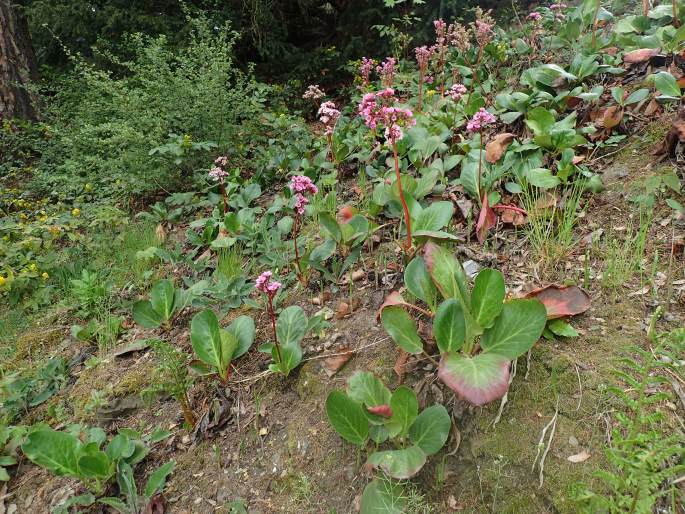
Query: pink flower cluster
[558,7]
[481,119]
[386,70]
[217,173]
[535,16]
[457,91]
[365,69]
[328,115]
[313,93]
[266,285]
[301,185]
[484,33]
[376,108]
[423,55]
[221,161]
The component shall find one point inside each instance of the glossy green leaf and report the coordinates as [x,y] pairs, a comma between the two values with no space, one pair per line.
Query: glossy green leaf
[145,315]
[449,326]
[243,328]
[516,330]
[487,297]
[383,497]
[561,328]
[347,417]
[436,216]
[212,345]
[399,464]
[157,480]
[367,388]
[58,452]
[162,298]
[291,325]
[418,281]
[430,429]
[330,225]
[405,408]
[402,329]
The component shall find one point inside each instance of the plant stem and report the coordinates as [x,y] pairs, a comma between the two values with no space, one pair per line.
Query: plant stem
[421,72]
[433,361]
[223,194]
[296,230]
[272,315]
[188,414]
[407,220]
[480,163]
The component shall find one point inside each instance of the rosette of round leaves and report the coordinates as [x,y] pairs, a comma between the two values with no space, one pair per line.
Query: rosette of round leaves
[368,410]
[477,332]
[216,347]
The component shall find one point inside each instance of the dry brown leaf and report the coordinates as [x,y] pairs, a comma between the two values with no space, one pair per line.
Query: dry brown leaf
[561,301]
[343,310]
[495,149]
[514,217]
[400,367]
[640,55]
[333,364]
[579,457]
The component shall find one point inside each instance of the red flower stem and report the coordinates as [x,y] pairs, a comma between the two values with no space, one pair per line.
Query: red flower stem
[480,162]
[421,71]
[223,194]
[329,137]
[296,230]
[272,315]
[407,220]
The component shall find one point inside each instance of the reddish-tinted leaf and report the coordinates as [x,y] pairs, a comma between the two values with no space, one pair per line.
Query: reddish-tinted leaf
[495,149]
[561,301]
[641,55]
[394,298]
[345,214]
[478,380]
[486,220]
[383,411]
[333,364]
[157,505]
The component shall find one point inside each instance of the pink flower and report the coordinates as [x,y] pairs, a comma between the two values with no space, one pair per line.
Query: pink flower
[558,7]
[313,93]
[265,285]
[423,55]
[393,133]
[300,203]
[375,110]
[481,119]
[221,161]
[429,79]
[484,32]
[217,173]
[302,184]
[365,69]
[387,71]
[328,115]
[535,16]
[457,91]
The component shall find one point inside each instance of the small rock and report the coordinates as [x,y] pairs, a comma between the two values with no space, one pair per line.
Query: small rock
[573,441]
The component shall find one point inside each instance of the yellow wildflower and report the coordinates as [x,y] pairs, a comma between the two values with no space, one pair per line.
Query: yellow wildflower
[45,275]
[76,212]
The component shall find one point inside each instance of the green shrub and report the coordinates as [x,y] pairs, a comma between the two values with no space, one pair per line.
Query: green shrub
[104,125]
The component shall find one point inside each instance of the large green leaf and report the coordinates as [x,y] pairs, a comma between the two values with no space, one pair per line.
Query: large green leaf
[382,496]
[145,315]
[666,84]
[540,120]
[367,388]
[400,464]
[449,326]
[212,345]
[431,429]
[162,298]
[95,465]
[418,281]
[402,329]
[347,417]
[330,225]
[58,452]
[434,217]
[405,408]
[244,331]
[291,325]
[487,296]
[291,355]
[447,273]
[478,380]
[515,331]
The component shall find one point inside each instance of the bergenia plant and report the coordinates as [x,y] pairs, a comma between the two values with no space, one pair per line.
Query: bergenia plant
[386,70]
[368,410]
[218,173]
[482,28]
[477,332]
[365,70]
[217,347]
[476,124]
[423,56]
[300,186]
[377,110]
[288,330]
[313,93]
[328,115]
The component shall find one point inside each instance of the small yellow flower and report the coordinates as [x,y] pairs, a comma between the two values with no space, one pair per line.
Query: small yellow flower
[76,212]
[45,276]
[22,216]
[3,281]
[88,187]
[54,230]
[33,266]
[43,218]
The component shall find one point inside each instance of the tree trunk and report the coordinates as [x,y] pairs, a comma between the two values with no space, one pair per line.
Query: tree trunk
[17,64]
